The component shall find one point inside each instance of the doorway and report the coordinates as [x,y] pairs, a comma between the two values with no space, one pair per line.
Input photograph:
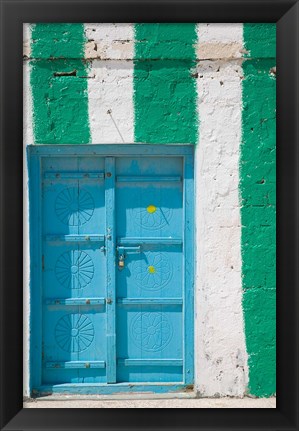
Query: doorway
[111,238]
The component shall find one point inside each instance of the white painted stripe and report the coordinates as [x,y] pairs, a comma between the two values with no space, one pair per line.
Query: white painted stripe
[109,41]
[221,366]
[110,86]
[219,41]
[27,139]
[26,40]
[220,32]
[27,97]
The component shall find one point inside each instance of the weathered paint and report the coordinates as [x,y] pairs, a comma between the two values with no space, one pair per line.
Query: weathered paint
[219,41]
[257,187]
[59,85]
[220,341]
[109,41]
[164,85]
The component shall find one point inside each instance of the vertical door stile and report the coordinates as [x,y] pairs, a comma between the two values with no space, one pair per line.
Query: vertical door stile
[188,270]
[36,251]
[78,251]
[110,262]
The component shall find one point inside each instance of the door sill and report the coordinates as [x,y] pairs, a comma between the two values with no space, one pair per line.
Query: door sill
[116,389]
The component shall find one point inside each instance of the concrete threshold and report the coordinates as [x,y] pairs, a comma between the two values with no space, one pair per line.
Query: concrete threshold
[178,400]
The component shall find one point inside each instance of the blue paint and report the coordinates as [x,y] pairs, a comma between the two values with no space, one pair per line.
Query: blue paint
[112,266]
[112,150]
[35,224]
[117,388]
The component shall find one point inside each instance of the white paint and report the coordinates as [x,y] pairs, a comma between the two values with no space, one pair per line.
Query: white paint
[26,40]
[27,139]
[219,41]
[109,41]
[110,89]
[221,358]
[220,32]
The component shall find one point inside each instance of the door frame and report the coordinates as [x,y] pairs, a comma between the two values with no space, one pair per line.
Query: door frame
[35,153]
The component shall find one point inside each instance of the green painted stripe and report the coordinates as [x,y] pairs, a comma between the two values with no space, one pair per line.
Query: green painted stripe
[164,88]
[59,84]
[258,212]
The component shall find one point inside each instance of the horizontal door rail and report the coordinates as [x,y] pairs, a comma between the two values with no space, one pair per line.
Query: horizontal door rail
[150,362]
[149,240]
[76,364]
[139,149]
[150,301]
[75,238]
[75,301]
[74,175]
[147,179]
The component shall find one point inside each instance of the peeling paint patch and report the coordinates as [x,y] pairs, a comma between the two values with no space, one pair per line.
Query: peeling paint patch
[27,40]
[109,41]
[218,50]
[114,50]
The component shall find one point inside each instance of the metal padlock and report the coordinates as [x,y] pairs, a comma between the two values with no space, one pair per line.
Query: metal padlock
[121,261]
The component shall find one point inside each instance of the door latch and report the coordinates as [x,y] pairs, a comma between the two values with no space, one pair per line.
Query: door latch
[121,261]
[123,252]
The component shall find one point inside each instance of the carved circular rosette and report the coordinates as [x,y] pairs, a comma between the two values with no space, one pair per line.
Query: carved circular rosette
[74,332]
[74,206]
[151,331]
[74,269]
[152,213]
[154,272]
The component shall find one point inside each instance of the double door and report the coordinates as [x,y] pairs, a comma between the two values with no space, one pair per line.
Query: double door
[116,270]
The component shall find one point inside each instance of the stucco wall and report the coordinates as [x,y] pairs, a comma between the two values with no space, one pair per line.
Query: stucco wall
[212,85]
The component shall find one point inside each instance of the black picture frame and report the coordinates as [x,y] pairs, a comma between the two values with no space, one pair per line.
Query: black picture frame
[13,14]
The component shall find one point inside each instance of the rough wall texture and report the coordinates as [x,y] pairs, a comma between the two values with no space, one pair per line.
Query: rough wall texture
[212,85]
[257,186]
[164,58]
[59,87]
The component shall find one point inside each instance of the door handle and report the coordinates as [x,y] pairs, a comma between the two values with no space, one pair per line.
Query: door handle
[123,252]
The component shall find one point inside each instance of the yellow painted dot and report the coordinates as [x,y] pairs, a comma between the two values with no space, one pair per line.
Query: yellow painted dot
[151,209]
[151,269]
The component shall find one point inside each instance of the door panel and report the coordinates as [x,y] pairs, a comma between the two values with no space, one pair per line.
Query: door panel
[156,272]
[74,271]
[149,231]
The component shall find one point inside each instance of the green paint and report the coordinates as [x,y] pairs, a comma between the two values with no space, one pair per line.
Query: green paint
[258,212]
[55,40]
[59,85]
[164,88]
[260,40]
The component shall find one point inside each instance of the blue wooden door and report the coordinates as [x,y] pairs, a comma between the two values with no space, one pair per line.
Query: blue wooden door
[116,283]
